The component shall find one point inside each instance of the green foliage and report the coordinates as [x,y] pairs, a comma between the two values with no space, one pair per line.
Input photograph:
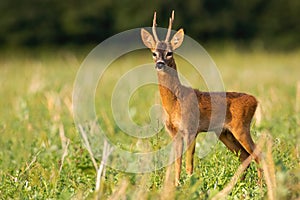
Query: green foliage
[36,95]
[273,23]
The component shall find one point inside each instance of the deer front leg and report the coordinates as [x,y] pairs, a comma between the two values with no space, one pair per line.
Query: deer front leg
[190,145]
[178,146]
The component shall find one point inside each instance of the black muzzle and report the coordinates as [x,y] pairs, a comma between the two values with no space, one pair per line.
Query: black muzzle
[160,65]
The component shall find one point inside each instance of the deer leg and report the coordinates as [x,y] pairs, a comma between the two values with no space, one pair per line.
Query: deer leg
[178,146]
[190,145]
[233,145]
[244,138]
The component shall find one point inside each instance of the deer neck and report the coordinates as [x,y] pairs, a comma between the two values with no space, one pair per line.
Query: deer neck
[169,86]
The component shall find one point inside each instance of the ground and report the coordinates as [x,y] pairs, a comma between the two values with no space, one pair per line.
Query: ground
[42,155]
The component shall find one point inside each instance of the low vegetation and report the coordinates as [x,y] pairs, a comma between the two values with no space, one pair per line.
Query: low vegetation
[42,155]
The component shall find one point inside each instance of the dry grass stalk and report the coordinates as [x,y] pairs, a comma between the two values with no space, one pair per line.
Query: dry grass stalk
[107,149]
[54,105]
[64,154]
[37,83]
[28,166]
[68,103]
[269,171]
[223,193]
[87,145]
[63,138]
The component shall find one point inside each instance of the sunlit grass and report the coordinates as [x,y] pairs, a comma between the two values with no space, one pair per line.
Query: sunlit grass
[36,101]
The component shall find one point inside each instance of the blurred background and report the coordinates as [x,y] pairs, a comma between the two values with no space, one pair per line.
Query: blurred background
[272,24]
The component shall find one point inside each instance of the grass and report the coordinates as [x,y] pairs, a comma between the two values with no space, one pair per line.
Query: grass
[36,122]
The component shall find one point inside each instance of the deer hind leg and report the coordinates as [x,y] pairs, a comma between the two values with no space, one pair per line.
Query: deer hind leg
[244,138]
[189,162]
[233,145]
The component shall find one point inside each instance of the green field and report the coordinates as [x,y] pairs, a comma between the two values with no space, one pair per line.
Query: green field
[42,155]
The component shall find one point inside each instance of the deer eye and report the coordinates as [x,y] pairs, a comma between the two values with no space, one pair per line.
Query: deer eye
[154,54]
[169,54]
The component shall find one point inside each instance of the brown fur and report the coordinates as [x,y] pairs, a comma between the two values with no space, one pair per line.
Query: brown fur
[189,111]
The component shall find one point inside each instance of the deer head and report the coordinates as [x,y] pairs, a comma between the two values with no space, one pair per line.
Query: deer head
[162,50]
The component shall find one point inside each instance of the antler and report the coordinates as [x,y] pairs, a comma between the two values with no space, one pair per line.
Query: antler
[170,27]
[154,28]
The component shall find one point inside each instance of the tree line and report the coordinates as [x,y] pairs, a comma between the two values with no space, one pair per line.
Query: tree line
[274,23]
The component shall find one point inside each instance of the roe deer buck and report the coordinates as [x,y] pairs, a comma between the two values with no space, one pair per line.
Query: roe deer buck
[187,116]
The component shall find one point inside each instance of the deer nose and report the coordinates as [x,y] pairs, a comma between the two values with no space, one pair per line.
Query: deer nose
[160,65]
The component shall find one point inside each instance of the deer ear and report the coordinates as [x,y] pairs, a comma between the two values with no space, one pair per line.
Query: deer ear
[147,39]
[177,39]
